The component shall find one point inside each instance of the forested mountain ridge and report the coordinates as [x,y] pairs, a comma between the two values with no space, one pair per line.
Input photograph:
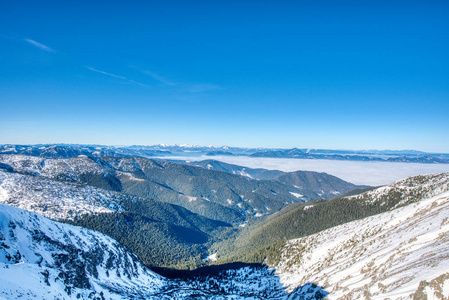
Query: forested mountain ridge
[236,169]
[214,194]
[316,185]
[304,219]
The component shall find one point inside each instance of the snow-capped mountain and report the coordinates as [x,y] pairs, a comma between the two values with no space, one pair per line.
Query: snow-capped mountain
[54,199]
[161,150]
[73,150]
[44,259]
[399,254]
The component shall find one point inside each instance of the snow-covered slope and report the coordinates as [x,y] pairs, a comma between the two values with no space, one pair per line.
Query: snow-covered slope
[393,255]
[54,199]
[44,259]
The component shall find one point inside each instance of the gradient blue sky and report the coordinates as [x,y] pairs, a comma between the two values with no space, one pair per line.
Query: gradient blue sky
[322,74]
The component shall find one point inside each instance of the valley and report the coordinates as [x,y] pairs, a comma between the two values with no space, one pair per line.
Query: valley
[214,230]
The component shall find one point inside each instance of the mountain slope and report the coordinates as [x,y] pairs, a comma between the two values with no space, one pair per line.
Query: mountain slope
[214,194]
[161,234]
[391,255]
[43,259]
[317,185]
[62,261]
[216,165]
[312,185]
[305,219]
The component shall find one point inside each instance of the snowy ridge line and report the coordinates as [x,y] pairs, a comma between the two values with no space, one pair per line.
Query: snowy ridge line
[54,199]
[390,255]
[410,189]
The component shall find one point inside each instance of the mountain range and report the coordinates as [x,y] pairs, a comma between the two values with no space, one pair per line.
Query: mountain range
[74,150]
[215,194]
[296,235]
[405,157]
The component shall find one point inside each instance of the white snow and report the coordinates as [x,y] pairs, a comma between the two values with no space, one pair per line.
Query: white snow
[191,199]
[212,257]
[384,256]
[297,195]
[25,278]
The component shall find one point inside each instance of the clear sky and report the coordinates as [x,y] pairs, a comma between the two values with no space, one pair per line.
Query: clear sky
[322,74]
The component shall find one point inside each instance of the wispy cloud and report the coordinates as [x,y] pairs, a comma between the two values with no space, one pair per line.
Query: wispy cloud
[40,45]
[138,83]
[106,73]
[202,87]
[116,76]
[192,88]
[159,78]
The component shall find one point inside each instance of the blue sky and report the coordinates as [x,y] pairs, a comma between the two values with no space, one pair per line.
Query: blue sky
[323,74]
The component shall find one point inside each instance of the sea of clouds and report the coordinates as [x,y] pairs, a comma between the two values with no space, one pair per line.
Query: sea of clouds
[357,172]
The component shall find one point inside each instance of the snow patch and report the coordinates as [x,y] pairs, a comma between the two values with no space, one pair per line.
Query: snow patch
[212,257]
[297,195]
[191,199]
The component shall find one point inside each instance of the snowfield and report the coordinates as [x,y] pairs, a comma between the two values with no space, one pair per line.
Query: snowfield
[394,255]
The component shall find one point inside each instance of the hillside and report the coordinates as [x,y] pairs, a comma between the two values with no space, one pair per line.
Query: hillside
[216,165]
[305,219]
[215,194]
[318,185]
[60,261]
[399,254]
